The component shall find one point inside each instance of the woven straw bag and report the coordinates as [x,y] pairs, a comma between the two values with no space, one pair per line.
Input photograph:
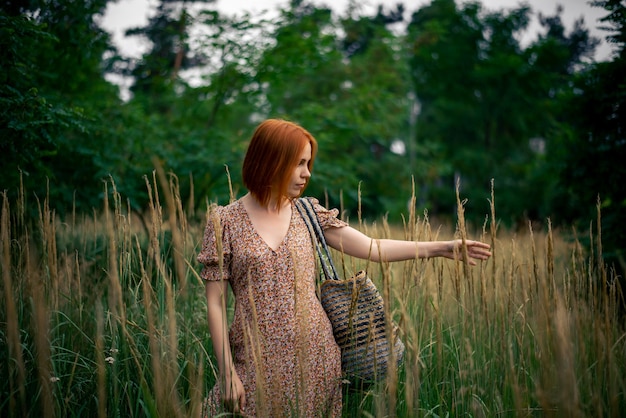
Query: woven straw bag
[356,312]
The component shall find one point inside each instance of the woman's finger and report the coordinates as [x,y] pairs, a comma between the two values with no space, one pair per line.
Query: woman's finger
[242,401]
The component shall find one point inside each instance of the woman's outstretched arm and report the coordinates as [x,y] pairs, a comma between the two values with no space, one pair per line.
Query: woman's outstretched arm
[357,244]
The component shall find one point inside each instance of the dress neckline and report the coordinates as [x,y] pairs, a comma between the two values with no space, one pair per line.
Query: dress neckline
[283,241]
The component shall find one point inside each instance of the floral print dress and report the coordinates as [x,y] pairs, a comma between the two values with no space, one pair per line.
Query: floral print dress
[282,341]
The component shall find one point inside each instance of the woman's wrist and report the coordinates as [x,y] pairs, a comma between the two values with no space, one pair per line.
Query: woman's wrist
[228,374]
[441,249]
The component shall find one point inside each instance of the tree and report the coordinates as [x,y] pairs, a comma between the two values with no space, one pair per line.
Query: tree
[595,149]
[156,75]
[28,122]
[488,104]
[197,122]
[346,81]
[52,71]
[445,46]
[361,31]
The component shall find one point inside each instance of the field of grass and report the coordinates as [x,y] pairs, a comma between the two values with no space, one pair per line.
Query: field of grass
[103,314]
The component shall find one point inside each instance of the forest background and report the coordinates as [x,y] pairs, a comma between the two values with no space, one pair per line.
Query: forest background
[453,98]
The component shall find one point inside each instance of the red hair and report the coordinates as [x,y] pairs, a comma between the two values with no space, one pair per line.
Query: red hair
[273,153]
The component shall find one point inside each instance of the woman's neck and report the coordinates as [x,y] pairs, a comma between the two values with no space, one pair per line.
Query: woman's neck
[271,207]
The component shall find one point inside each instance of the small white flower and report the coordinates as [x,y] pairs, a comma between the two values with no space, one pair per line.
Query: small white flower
[110,360]
[54,379]
[114,351]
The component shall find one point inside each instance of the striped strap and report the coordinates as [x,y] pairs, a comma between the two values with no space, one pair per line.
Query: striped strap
[305,207]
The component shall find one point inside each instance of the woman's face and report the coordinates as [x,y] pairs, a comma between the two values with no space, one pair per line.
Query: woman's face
[301,173]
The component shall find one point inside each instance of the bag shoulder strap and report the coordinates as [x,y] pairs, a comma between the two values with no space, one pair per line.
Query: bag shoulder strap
[305,207]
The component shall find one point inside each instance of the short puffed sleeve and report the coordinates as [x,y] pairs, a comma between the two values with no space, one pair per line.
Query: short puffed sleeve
[215,246]
[327,217]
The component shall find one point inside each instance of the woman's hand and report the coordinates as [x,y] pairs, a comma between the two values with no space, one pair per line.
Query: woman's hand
[476,250]
[233,394]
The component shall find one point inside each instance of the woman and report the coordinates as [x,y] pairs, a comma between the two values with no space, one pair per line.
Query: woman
[279,357]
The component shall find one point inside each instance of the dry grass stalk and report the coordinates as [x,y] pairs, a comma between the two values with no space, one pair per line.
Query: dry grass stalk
[17,372]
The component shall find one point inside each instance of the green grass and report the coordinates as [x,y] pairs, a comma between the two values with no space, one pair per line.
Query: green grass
[104,315]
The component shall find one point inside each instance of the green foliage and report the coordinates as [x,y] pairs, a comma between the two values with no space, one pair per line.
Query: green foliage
[303,63]
[614,23]
[360,107]
[69,68]
[490,102]
[360,31]
[445,43]
[52,95]
[455,95]
[155,76]
[31,125]
[591,160]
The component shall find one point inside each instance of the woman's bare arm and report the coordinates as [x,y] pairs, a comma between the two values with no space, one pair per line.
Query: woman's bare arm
[233,394]
[357,244]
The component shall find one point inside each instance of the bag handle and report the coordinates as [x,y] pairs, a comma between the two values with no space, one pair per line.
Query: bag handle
[305,207]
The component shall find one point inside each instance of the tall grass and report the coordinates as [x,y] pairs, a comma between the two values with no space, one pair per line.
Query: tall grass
[103,314]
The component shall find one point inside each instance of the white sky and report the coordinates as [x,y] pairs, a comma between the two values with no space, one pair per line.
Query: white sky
[130,13]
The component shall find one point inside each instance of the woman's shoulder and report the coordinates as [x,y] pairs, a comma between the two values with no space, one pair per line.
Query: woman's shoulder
[227,212]
[327,217]
[317,206]
[230,207]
